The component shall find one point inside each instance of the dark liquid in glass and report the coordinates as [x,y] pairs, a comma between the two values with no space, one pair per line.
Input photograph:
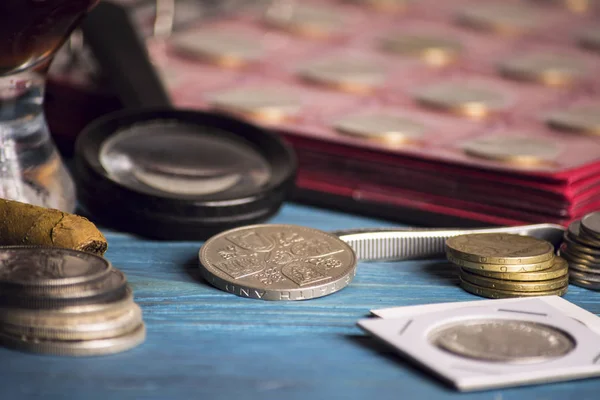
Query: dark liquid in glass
[32,30]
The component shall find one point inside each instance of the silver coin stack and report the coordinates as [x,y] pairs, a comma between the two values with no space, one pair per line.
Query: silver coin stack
[581,249]
[65,302]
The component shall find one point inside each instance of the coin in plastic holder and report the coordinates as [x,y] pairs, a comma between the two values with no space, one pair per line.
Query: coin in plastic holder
[579,119]
[549,69]
[181,175]
[590,39]
[505,18]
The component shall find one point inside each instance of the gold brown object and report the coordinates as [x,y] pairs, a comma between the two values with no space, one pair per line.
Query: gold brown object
[502,294]
[558,268]
[467,99]
[437,51]
[387,128]
[25,224]
[549,69]
[505,265]
[514,149]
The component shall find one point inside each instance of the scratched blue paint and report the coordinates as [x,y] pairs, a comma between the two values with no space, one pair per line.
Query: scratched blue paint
[206,344]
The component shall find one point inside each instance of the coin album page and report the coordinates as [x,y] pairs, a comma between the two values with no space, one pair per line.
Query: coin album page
[571,334]
[476,110]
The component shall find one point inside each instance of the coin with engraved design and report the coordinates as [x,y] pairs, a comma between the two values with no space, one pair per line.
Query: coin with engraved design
[500,340]
[277,262]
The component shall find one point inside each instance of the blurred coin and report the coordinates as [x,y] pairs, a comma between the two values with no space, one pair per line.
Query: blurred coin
[500,248]
[522,150]
[516,286]
[76,328]
[475,267]
[277,262]
[586,284]
[384,5]
[264,104]
[579,119]
[388,128]
[312,20]
[558,268]
[463,98]
[501,340]
[507,18]
[585,276]
[434,50]
[590,224]
[502,294]
[76,348]
[550,69]
[590,38]
[31,267]
[575,234]
[349,74]
[221,48]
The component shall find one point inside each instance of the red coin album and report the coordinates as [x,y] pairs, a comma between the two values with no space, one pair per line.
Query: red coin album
[461,112]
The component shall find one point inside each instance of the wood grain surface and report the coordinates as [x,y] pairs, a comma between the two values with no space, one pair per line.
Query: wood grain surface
[206,344]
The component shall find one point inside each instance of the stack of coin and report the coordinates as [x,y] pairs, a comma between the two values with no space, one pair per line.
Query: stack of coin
[503,265]
[65,302]
[581,248]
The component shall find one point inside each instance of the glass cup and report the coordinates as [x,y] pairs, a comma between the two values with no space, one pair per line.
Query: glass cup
[31,31]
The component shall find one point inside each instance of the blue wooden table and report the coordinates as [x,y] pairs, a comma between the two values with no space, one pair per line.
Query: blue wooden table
[206,344]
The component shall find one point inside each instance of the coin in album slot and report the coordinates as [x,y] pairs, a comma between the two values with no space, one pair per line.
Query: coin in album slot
[516,286]
[502,340]
[584,119]
[94,347]
[348,74]
[500,248]
[263,104]
[463,98]
[31,268]
[514,149]
[384,5]
[311,20]
[590,225]
[222,48]
[387,128]
[503,294]
[433,50]
[506,18]
[559,268]
[74,328]
[277,262]
[550,69]
[590,39]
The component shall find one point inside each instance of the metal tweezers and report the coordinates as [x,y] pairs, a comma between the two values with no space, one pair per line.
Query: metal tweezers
[386,244]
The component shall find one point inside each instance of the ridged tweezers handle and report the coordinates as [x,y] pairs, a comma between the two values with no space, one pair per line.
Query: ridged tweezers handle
[407,244]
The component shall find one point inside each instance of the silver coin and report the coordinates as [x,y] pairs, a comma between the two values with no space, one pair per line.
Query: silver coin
[115,279]
[584,276]
[48,266]
[76,348]
[76,328]
[574,233]
[591,224]
[508,341]
[592,285]
[277,262]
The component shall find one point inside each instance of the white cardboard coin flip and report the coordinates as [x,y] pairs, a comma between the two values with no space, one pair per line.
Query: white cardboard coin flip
[410,336]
